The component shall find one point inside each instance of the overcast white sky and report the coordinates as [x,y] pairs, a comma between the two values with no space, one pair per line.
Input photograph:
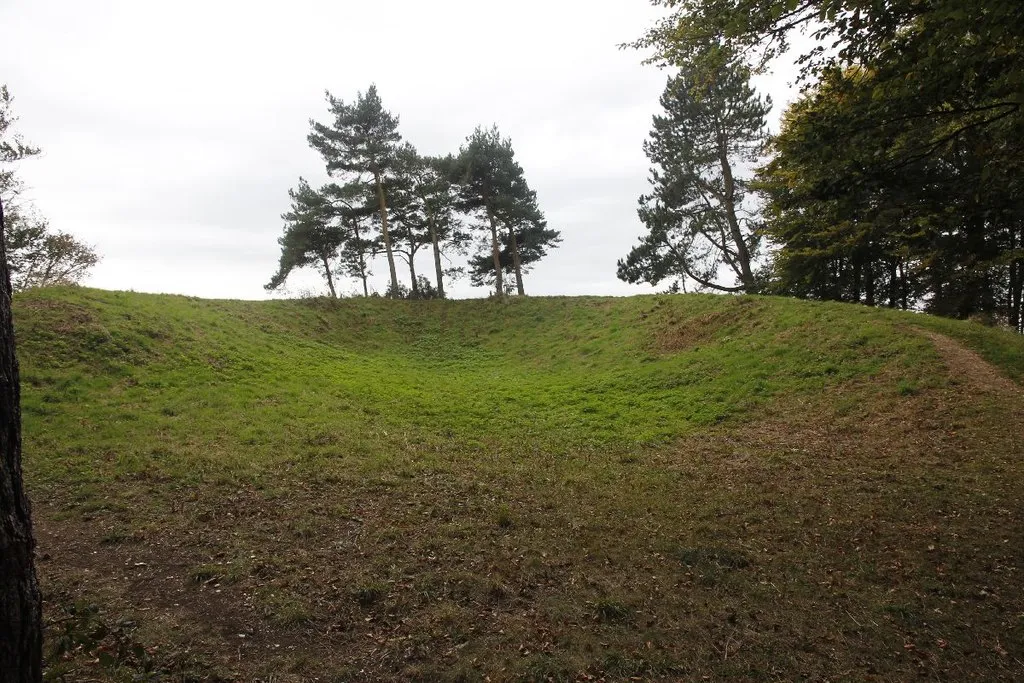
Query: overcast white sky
[172,130]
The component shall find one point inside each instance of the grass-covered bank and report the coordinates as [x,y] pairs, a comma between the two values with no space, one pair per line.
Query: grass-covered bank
[550,487]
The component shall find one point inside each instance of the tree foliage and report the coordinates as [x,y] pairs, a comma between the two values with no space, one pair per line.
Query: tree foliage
[390,199]
[854,224]
[36,256]
[362,143]
[311,237]
[698,218]
[492,188]
[896,179]
[426,213]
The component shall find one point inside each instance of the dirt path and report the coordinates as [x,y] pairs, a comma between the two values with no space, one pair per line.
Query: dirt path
[970,368]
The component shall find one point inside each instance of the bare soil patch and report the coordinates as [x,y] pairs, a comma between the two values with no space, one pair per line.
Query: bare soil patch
[969,368]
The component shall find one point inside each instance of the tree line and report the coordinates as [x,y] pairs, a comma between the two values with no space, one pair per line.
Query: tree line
[385,198]
[895,178]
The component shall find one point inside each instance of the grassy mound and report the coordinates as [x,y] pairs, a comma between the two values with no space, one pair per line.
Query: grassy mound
[547,488]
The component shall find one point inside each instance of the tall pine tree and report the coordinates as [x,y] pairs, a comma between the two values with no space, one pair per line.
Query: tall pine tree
[492,185]
[697,220]
[362,140]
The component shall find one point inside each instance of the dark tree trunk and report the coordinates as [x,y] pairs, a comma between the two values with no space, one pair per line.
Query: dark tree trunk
[742,253]
[386,234]
[1018,296]
[496,252]
[856,278]
[330,279]
[1016,290]
[515,262]
[904,286]
[437,254]
[869,283]
[362,259]
[21,635]
[412,267]
[893,284]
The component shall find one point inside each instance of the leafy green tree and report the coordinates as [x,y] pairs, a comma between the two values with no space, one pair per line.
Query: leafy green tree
[855,221]
[841,233]
[491,185]
[362,140]
[38,257]
[926,130]
[857,33]
[696,217]
[311,237]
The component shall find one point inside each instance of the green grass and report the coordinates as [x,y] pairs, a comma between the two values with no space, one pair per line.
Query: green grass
[230,386]
[661,486]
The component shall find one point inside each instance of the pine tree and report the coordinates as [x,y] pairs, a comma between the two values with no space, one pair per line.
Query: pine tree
[311,237]
[352,206]
[697,222]
[521,247]
[434,198]
[410,227]
[362,140]
[492,185]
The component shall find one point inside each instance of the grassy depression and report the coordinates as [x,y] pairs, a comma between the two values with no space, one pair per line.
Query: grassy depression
[547,488]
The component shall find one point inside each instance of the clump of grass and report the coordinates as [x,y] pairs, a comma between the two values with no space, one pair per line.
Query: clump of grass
[227,573]
[610,611]
[495,590]
[303,529]
[906,388]
[284,608]
[370,594]
[503,517]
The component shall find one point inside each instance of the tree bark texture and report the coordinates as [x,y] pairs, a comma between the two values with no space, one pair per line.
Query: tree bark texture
[516,262]
[327,274]
[387,235]
[362,259]
[415,287]
[438,271]
[496,252]
[742,253]
[21,635]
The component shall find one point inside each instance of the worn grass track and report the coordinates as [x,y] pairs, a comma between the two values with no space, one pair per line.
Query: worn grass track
[542,489]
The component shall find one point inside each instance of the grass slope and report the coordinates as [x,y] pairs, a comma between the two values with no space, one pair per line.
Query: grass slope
[538,489]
